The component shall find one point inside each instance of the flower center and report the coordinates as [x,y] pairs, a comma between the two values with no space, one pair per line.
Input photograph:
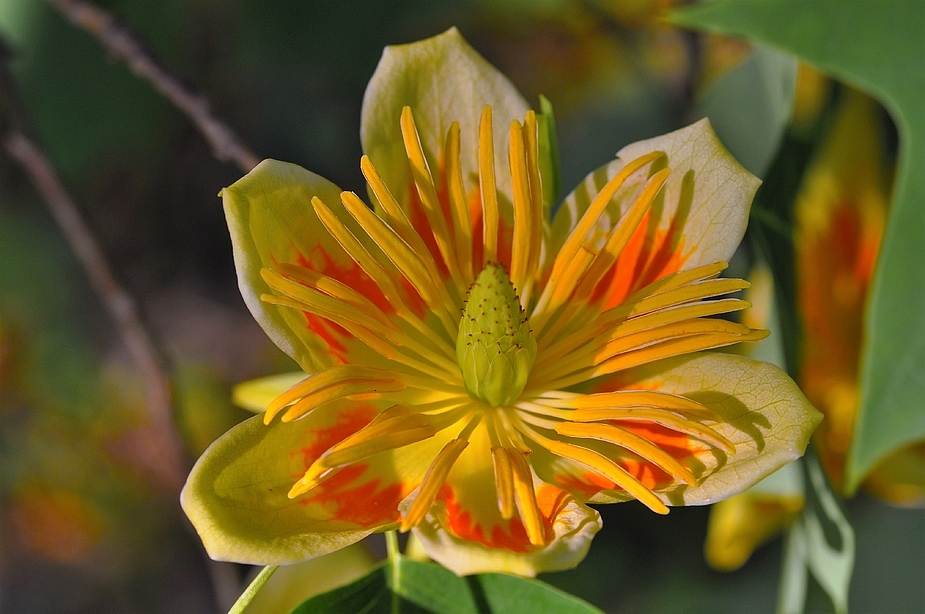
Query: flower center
[495,345]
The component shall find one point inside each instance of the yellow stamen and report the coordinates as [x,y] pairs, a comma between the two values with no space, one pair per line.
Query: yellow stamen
[525,494]
[506,417]
[621,234]
[697,327]
[580,371]
[458,207]
[371,338]
[704,272]
[394,247]
[562,290]
[666,349]
[349,388]
[594,211]
[711,331]
[433,480]
[676,314]
[640,446]
[642,398]
[661,417]
[684,294]
[621,344]
[370,265]
[398,219]
[423,180]
[315,475]
[357,308]
[605,467]
[523,223]
[531,148]
[504,481]
[328,377]
[333,308]
[335,289]
[662,305]
[408,266]
[359,332]
[581,281]
[390,430]
[488,189]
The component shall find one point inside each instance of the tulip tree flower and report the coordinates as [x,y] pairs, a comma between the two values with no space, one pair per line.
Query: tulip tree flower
[840,211]
[477,372]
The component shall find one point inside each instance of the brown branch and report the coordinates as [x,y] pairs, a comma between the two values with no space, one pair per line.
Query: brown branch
[126,45]
[165,446]
[162,443]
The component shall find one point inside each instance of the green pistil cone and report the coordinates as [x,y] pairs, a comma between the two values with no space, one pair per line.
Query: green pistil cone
[495,346]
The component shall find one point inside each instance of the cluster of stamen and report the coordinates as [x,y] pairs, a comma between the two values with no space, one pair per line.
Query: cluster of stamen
[510,376]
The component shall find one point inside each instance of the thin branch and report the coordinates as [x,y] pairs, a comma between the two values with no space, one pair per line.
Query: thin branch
[126,45]
[117,301]
[166,446]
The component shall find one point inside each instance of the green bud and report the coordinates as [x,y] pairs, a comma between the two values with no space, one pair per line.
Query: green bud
[495,346]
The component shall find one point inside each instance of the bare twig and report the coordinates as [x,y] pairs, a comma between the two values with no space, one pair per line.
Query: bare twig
[124,44]
[167,448]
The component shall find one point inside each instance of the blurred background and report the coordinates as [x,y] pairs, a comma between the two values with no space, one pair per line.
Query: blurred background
[89,513]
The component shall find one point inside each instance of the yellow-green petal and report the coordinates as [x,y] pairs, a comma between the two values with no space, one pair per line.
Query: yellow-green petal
[272,221]
[707,195]
[763,412]
[575,527]
[256,394]
[236,494]
[293,584]
[443,79]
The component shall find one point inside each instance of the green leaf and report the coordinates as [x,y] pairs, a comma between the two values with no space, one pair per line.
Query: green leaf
[411,587]
[550,167]
[878,47]
[750,105]
[822,542]
[443,79]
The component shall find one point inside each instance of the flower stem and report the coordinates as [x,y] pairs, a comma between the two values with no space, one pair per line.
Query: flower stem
[251,591]
[391,545]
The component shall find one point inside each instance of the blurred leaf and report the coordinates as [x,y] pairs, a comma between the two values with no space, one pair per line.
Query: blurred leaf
[742,523]
[794,578]
[829,535]
[750,106]
[204,411]
[411,587]
[822,541]
[878,47]
[87,109]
